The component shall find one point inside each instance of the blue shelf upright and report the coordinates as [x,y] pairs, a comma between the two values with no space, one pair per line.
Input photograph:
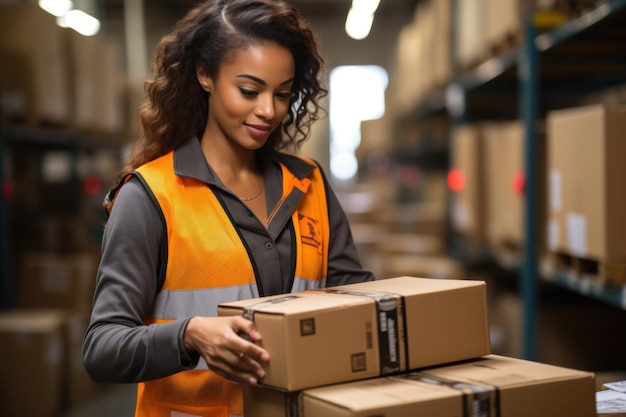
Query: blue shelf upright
[528,72]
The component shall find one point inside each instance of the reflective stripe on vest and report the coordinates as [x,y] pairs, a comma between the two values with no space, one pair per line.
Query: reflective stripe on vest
[208,264]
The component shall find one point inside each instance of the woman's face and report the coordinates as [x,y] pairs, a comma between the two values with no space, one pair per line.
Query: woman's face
[250,96]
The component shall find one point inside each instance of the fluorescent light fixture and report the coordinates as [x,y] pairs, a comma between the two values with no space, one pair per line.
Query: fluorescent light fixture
[80,21]
[365,6]
[359,23]
[56,7]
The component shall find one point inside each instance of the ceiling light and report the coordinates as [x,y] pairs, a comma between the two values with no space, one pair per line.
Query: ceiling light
[56,7]
[80,21]
[359,23]
[366,6]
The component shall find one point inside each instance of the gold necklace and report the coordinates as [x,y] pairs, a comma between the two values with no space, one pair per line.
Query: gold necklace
[254,196]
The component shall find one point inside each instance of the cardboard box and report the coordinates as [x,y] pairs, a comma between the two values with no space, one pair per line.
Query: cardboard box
[78,386]
[31,363]
[34,84]
[469,20]
[466,181]
[441,267]
[385,396]
[505,182]
[489,386]
[63,281]
[524,388]
[96,83]
[358,331]
[586,202]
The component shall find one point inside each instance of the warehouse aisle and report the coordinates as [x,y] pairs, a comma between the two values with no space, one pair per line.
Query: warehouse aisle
[113,400]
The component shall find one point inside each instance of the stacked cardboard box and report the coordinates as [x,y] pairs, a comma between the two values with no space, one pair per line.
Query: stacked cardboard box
[365,330]
[61,281]
[33,73]
[396,347]
[585,199]
[64,284]
[466,180]
[96,87]
[360,331]
[31,363]
[493,385]
[505,184]
[40,357]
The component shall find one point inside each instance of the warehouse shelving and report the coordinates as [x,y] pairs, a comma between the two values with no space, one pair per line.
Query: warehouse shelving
[19,141]
[6,285]
[548,70]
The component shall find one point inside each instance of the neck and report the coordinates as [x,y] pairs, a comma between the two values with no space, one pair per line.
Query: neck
[230,164]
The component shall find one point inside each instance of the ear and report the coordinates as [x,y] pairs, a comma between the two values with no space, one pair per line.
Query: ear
[204,79]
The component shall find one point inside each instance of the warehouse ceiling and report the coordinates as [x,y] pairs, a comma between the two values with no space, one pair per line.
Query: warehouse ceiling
[327,18]
[331,9]
[174,9]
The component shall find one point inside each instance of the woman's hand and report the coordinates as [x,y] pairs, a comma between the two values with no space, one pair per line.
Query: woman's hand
[217,340]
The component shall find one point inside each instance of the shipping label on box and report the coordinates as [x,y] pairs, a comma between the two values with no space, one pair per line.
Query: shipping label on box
[358,331]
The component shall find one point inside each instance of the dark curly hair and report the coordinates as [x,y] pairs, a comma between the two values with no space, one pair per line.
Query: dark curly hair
[175,107]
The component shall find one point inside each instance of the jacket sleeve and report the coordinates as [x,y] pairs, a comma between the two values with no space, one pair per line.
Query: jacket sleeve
[344,264]
[118,347]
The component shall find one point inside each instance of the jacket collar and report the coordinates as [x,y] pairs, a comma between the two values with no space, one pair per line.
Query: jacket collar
[189,162]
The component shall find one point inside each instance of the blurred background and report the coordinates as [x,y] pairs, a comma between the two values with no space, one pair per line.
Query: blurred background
[466,139]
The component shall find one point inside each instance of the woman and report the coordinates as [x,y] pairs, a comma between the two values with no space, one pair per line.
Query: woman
[208,210]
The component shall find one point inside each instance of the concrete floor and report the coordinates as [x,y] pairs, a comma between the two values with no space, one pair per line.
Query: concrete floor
[110,400]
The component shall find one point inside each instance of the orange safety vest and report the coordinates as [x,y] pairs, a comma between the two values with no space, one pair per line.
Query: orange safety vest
[207,264]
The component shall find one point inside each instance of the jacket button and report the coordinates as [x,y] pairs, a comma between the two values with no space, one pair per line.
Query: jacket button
[268,245]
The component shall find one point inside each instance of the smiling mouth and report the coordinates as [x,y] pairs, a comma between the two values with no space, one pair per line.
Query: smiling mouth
[259,130]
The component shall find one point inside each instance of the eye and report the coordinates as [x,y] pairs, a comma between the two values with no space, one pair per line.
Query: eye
[284,96]
[248,93]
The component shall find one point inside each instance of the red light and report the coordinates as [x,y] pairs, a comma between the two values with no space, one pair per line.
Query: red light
[456,180]
[8,189]
[518,183]
[93,185]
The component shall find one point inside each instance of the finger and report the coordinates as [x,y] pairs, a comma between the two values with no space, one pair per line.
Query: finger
[247,370]
[245,327]
[238,368]
[256,353]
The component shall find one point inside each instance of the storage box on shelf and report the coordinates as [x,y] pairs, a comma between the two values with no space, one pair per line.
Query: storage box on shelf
[31,363]
[505,183]
[358,331]
[491,385]
[469,21]
[41,367]
[586,226]
[467,181]
[96,84]
[33,71]
[60,281]
[433,266]
[78,386]
[426,218]
[424,47]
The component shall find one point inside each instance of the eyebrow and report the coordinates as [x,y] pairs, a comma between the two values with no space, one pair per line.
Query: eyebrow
[260,81]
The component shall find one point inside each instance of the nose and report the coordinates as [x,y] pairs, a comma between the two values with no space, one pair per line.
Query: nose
[266,108]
